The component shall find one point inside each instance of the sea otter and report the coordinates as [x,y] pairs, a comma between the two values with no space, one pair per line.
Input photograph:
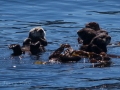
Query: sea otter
[36,40]
[38,34]
[98,44]
[91,30]
[100,60]
[35,43]
[95,26]
[86,34]
[70,55]
[33,49]
[64,56]
[16,49]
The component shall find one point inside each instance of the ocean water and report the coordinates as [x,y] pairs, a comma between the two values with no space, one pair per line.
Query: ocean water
[61,19]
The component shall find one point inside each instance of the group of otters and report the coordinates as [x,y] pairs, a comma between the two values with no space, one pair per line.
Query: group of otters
[92,38]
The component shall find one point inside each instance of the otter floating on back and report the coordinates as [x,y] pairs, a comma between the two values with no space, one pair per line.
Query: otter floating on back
[38,34]
[94,38]
[35,43]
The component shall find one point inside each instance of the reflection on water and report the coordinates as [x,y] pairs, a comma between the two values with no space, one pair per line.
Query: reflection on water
[61,20]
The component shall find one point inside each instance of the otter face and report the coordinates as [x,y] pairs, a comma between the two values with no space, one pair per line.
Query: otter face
[37,33]
[93,25]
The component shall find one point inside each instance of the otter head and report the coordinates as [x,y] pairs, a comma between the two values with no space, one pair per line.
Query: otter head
[86,34]
[101,39]
[16,49]
[93,25]
[36,33]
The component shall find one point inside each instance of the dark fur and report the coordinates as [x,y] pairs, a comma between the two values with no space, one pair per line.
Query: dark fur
[35,43]
[36,48]
[94,38]
[32,48]
[98,44]
[38,34]
[86,34]
[16,49]
[66,56]
[91,30]
[93,25]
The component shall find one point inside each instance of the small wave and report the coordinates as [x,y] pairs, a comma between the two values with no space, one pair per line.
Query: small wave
[107,12]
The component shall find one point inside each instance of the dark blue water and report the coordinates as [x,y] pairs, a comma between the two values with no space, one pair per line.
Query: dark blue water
[61,20]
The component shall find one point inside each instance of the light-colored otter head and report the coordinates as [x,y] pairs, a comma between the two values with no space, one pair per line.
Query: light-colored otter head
[36,33]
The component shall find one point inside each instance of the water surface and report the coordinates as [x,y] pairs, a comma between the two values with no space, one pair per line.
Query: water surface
[61,20]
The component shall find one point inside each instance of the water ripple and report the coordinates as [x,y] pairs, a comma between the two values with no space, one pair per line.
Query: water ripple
[107,12]
[61,20]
